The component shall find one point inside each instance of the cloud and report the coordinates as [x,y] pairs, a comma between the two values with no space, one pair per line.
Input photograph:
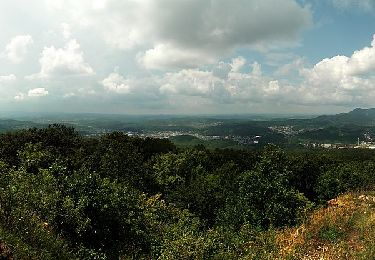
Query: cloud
[37,92]
[215,28]
[190,82]
[19,97]
[339,80]
[17,48]
[237,64]
[62,62]
[141,92]
[223,83]
[174,34]
[291,69]
[167,56]
[230,87]
[8,78]
[195,44]
[66,32]
[342,76]
[116,83]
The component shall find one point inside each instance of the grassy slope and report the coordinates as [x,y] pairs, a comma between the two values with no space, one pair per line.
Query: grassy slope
[343,230]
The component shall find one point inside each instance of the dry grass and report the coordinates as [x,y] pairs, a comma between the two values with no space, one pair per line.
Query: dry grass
[343,230]
[5,252]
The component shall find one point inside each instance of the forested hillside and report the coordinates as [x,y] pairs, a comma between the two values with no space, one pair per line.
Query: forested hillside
[65,196]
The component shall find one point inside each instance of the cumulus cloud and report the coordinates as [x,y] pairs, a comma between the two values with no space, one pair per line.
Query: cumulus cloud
[291,69]
[189,82]
[60,62]
[8,78]
[66,32]
[343,78]
[167,56]
[17,48]
[37,92]
[141,92]
[116,83]
[179,32]
[338,80]
[194,43]
[19,97]
[230,87]
[238,63]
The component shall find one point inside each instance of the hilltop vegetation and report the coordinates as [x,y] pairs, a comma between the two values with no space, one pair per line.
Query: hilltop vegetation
[65,196]
[344,230]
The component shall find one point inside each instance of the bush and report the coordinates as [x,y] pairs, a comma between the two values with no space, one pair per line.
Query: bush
[265,198]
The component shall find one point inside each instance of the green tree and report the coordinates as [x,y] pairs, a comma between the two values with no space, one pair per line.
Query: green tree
[265,197]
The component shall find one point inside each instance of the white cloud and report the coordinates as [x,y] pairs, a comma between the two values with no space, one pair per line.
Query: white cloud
[66,32]
[233,87]
[67,61]
[293,68]
[116,83]
[189,82]
[338,80]
[17,48]
[222,69]
[166,56]
[176,33]
[194,41]
[8,78]
[69,95]
[19,97]
[37,92]
[238,63]
[341,73]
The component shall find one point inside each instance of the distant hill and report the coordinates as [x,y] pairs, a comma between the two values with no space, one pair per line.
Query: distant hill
[359,116]
[339,128]
[10,124]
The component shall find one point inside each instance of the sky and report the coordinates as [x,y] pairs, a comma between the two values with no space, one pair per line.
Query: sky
[187,56]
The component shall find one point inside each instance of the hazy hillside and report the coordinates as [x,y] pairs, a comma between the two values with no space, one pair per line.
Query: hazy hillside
[359,116]
[10,124]
[340,128]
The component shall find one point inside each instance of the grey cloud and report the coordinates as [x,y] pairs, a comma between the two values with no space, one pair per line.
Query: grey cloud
[173,33]
[187,39]
[223,24]
[218,27]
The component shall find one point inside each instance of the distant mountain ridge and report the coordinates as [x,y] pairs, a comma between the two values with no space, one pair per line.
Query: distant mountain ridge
[358,116]
[11,124]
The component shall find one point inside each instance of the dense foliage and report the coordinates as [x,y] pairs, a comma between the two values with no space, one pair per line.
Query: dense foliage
[65,196]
